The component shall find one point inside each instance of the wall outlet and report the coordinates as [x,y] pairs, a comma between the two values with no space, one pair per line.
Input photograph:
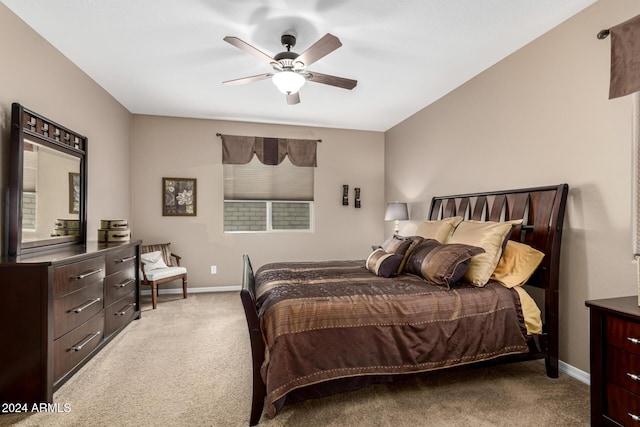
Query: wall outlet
[214,269]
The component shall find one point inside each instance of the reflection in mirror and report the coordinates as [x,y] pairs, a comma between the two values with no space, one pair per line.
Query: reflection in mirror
[50,193]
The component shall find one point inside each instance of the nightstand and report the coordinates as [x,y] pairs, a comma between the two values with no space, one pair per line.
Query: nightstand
[615,361]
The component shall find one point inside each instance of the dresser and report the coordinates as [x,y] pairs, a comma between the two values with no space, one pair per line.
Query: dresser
[615,361]
[60,308]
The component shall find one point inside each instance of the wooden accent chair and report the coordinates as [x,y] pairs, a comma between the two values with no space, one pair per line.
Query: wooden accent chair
[159,265]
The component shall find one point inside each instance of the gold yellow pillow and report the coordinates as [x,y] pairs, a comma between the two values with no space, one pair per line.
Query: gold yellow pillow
[439,230]
[518,262]
[487,235]
[530,311]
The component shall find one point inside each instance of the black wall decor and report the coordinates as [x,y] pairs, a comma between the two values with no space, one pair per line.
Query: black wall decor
[345,195]
[357,198]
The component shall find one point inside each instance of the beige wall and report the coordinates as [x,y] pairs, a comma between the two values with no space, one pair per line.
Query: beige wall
[539,117]
[36,75]
[189,148]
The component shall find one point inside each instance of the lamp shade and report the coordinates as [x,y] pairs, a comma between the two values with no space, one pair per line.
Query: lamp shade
[396,211]
[288,82]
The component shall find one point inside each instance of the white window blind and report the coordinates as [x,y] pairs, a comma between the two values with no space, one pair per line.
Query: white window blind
[256,181]
[29,171]
[636,175]
[635,185]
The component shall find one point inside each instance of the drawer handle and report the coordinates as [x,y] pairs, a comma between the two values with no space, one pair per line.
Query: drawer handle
[86,274]
[124,283]
[127,259]
[634,417]
[633,376]
[86,305]
[634,340]
[127,308]
[85,341]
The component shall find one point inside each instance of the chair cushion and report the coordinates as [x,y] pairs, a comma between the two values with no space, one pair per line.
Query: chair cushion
[161,273]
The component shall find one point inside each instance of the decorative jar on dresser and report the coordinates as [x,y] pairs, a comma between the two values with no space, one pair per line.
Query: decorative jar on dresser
[58,309]
[615,361]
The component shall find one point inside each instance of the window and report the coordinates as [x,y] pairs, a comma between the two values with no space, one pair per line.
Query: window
[636,179]
[264,198]
[29,184]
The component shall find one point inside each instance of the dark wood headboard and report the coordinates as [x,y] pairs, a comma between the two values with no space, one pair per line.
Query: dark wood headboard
[542,211]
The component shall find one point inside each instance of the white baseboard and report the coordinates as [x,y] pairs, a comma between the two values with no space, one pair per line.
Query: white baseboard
[192,290]
[563,367]
[574,372]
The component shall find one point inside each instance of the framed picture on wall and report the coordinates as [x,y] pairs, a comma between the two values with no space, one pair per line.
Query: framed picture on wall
[74,193]
[178,197]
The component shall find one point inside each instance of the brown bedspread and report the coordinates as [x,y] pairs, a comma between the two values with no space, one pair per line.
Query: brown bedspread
[329,320]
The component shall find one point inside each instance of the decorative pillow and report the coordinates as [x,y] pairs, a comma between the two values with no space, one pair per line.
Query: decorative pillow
[488,235]
[440,230]
[518,262]
[152,260]
[415,241]
[398,244]
[440,264]
[384,264]
[162,247]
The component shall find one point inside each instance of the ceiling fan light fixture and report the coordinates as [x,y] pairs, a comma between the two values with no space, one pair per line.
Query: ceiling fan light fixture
[288,82]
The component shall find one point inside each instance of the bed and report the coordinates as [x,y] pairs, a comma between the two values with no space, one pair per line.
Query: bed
[443,298]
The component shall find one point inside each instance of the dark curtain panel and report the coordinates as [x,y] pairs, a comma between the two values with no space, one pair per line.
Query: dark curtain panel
[625,58]
[239,150]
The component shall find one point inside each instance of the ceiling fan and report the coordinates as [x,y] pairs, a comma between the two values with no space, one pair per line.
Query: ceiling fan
[290,69]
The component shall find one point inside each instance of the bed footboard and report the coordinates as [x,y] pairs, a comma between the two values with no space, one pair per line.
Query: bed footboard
[248,297]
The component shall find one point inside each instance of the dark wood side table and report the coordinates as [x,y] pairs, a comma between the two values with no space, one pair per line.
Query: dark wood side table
[615,361]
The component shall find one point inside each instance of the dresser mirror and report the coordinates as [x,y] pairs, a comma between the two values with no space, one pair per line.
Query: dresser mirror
[47,185]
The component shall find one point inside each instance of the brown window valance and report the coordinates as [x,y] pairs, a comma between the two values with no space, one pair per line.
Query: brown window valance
[239,150]
[625,58]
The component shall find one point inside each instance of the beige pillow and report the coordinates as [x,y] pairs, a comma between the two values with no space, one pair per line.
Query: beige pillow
[439,230]
[488,235]
[518,262]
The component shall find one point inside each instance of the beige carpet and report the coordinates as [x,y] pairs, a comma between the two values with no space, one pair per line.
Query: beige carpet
[188,364]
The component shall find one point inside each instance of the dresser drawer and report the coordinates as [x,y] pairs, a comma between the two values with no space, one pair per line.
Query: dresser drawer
[72,277]
[74,309]
[621,403]
[119,313]
[120,259]
[119,284]
[621,367]
[72,348]
[623,334]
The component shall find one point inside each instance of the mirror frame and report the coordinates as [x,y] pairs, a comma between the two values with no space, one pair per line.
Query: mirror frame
[30,125]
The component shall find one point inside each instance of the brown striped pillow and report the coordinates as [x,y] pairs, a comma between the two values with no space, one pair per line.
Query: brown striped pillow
[440,264]
[384,264]
[398,245]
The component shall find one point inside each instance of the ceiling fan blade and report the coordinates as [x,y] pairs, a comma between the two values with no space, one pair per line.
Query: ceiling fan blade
[319,49]
[245,80]
[328,79]
[293,98]
[242,45]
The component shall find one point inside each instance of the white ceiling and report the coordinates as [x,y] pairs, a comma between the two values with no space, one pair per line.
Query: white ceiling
[167,57]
